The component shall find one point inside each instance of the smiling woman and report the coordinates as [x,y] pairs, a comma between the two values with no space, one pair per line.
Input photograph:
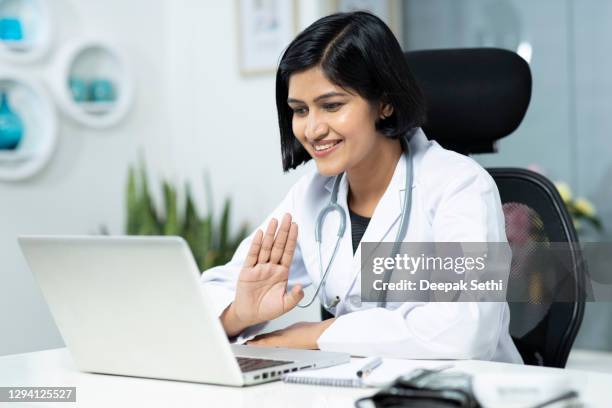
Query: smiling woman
[348,86]
[336,126]
[347,99]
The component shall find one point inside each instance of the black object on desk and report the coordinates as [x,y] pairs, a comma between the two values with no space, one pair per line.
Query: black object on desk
[424,388]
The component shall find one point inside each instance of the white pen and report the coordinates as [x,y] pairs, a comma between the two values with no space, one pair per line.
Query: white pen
[369,367]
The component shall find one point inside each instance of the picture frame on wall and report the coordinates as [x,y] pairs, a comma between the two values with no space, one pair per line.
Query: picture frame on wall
[265,28]
[390,11]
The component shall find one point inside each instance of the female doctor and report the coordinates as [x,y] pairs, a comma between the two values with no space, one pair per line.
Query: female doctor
[346,98]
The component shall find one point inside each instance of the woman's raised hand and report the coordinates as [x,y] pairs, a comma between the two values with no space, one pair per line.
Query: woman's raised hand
[261,292]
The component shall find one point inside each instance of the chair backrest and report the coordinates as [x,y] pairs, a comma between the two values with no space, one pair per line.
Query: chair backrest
[549,296]
[474,96]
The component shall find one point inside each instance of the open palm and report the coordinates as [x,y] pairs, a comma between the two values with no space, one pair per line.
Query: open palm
[261,292]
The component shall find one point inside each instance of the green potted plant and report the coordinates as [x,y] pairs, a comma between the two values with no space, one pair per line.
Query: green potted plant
[209,238]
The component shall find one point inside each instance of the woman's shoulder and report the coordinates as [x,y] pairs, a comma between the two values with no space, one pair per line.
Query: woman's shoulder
[440,167]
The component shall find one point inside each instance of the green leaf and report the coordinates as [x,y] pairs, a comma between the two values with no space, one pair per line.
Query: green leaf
[171,226]
[132,203]
[192,229]
[210,240]
[224,226]
[595,222]
[150,223]
[207,244]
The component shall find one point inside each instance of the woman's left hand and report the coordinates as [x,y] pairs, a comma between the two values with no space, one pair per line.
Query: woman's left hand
[302,335]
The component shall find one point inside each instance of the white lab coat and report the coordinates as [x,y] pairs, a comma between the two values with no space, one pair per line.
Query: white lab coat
[453,200]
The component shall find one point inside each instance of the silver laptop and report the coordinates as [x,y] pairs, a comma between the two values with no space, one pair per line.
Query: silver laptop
[135,306]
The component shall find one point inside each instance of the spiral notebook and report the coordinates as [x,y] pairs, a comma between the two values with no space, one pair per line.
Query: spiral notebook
[345,375]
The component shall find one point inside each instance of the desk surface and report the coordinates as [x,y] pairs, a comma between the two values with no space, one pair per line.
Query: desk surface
[56,368]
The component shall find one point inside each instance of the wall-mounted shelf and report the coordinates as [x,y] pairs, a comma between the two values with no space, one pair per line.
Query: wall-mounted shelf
[32,103]
[35,26]
[88,62]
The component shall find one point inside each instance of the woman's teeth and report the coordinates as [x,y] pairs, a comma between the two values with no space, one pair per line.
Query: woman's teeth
[325,147]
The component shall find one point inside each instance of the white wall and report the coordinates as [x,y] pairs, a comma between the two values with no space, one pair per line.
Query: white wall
[193,111]
[82,187]
[223,122]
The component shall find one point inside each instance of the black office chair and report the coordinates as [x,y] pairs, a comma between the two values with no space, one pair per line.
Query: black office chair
[474,98]
[545,321]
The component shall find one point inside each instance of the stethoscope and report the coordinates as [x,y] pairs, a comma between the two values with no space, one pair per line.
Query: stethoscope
[333,206]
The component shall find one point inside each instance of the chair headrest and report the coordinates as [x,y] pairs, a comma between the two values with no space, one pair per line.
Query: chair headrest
[474,96]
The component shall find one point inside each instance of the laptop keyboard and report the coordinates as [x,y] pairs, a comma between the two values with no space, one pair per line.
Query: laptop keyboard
[251,364]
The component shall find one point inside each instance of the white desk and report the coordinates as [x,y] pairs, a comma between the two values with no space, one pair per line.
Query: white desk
[56,368]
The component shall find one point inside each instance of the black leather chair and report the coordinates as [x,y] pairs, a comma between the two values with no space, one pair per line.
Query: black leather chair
[474,98]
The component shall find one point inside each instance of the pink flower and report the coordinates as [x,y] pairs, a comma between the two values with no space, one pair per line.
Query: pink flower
[536,168]
[522,223]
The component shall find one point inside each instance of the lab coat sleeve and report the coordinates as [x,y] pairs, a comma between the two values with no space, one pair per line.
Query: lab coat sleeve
[467,210]
[219,283]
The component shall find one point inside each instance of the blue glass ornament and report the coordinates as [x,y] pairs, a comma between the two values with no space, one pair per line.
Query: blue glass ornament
[11,126]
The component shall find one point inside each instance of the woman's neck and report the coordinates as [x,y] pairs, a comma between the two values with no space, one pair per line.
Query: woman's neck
[369,180]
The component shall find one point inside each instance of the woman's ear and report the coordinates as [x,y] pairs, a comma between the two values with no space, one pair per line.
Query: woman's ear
[385,110]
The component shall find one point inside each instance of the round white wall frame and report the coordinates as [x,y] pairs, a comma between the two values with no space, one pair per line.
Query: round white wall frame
[87,62]
[34,106]
[35,21]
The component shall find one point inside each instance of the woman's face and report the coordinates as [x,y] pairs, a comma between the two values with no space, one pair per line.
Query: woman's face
[337,128]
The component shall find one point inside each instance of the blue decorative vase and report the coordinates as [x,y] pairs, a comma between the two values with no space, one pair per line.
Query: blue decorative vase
[10,29]
[102,90]
[78,89]
[11,126]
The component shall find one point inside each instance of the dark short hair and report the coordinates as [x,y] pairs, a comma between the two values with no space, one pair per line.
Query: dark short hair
[356,51]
